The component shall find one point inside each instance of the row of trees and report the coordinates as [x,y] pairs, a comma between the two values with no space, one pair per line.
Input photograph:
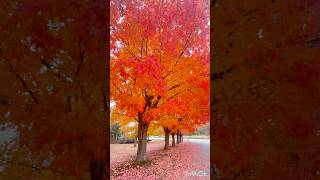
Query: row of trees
[160,70]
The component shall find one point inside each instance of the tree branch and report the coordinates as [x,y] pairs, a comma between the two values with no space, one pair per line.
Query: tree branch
[81,59]
[117,87]
[22,81]
[175,86]
[221,74]
[49,67]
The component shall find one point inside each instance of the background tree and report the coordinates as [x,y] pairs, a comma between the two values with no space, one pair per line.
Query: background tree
[115,132]
[203,130]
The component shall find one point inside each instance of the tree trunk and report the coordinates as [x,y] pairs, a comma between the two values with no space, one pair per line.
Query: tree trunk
[135,138]
[142,141]
[166,138]
[173,141]
[178,137]
[181,137]
[97,169]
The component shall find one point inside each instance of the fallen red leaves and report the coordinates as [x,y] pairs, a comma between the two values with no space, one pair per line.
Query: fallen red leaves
[183,161]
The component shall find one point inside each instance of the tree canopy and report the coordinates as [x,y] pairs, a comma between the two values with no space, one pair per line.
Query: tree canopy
[160,62]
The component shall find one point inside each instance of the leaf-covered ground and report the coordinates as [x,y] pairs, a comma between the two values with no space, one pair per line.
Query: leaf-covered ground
[120,153]
[184,161]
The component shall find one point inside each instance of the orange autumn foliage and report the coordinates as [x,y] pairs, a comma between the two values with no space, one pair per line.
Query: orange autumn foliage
[158,53]
[160,61]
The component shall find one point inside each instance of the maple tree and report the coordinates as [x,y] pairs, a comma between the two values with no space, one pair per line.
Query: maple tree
[54,87]
[264,89]
[159,54]
[184,114]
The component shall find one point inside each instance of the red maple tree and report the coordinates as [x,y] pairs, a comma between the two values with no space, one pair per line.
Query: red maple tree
[159,62]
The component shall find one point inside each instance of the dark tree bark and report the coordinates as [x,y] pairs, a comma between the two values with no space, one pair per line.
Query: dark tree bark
[142,140]
[178,138]
[173,141]
[166,138]
[143,128]
[97,169]
[166,145]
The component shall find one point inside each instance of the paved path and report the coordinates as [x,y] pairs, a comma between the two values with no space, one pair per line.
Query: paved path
[204,144]
[202,159]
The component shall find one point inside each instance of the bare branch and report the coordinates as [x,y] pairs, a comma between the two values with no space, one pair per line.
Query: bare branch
[22,81]
[221,74]
[80,63]
[175,86]
[49,67]
[117,87]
